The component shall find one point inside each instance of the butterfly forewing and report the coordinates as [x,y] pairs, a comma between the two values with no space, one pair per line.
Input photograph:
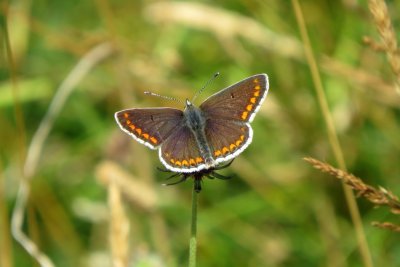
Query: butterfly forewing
[237,102]
[180,152]
[150,126]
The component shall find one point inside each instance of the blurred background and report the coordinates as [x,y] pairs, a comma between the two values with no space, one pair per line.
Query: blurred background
[81,61]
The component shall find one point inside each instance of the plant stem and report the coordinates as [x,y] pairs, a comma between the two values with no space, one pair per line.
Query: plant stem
[332,136]
[193,236]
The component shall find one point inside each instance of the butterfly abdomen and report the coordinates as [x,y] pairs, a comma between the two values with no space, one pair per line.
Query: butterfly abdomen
[196,122]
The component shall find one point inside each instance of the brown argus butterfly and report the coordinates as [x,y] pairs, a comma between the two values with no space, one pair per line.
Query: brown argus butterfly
[199,138]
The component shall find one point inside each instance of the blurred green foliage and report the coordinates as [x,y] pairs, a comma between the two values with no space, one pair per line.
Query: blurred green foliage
[277,210]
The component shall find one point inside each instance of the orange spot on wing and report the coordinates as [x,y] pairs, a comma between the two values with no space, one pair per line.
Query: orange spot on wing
[257,87]
[244,115]
[249,107]
[132,127]
[256,93]
[172,161]
[199,160]
[126,115]
[139,131]
[153,140]
[253,100]
[238,142]
[178,163]
[185,163]
[217,153]
[255,80]
[192,162]
[145,135]
[242,137]
[232,147]
[225,150]
[128,122]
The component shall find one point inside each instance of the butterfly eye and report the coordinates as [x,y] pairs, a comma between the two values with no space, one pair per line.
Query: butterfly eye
[232,96]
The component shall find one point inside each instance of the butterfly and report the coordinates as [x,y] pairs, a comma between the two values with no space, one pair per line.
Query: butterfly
[199,138]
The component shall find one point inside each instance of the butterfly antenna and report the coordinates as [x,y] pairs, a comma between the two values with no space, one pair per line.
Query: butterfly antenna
[207,83]
[163,96]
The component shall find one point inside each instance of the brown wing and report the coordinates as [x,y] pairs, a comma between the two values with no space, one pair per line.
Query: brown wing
[180,152]
[227,139]
[238,102]
[149,126]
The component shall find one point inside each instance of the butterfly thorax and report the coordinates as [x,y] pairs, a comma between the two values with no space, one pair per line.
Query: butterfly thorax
[196,122]
[194,117]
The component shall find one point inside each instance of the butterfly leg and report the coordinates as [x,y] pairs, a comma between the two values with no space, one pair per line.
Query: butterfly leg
[224,166]
[183,178]
[220,176]
[209,176]
[173,176]
[163,169]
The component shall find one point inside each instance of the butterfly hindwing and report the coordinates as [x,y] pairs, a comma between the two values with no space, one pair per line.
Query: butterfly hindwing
[180,152]
[227,139]
[238,102]
[149,126]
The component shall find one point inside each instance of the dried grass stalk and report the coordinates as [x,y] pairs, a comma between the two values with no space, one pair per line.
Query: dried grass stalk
[226,26]
[387,225]
[383,23]
[140,193]
[332,134]
[119,227]
[84,66]
[367,82]
[380,197]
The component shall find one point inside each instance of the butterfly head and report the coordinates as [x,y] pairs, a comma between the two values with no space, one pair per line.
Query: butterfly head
[188,103]
[189,106]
